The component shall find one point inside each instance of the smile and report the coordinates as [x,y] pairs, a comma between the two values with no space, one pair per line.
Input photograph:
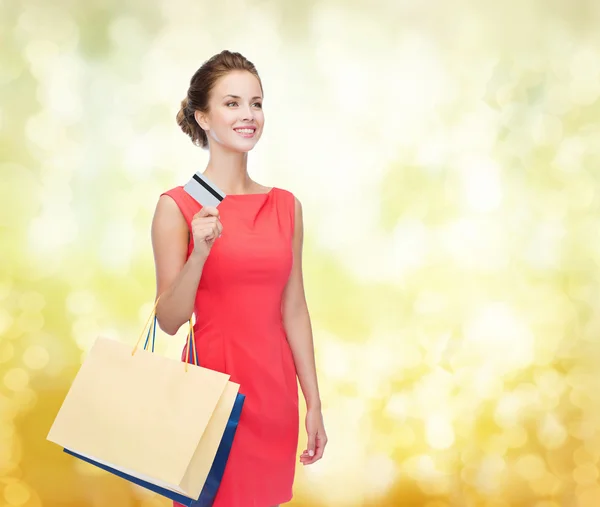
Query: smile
[246,132]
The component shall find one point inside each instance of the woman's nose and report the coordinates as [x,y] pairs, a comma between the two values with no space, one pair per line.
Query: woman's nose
[247,114]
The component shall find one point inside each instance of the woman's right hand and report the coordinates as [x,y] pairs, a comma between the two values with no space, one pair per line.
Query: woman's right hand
[206,228]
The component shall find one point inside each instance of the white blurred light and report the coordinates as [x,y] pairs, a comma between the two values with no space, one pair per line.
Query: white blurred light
[544,247]
[569,156]
[508,411]
[50,234]
[81,302]
[547,130]
[439,432]
[500,338]
[410,246]
[117,245]
[381,473]
[489,475]
[551,432]
[481,182]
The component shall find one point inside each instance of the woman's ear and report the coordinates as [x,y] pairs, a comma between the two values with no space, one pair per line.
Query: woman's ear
[201,119]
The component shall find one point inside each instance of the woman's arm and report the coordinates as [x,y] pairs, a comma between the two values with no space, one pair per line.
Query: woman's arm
[296,321]
[176,279]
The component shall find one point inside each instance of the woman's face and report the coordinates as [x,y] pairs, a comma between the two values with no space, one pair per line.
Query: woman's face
[235,117]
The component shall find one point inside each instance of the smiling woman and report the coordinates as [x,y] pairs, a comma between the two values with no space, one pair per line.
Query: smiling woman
[210,95]
[238,270]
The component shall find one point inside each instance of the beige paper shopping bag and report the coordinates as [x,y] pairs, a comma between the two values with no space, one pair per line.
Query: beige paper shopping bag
[151,417]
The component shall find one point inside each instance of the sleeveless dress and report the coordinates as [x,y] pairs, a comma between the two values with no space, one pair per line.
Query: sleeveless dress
[239,331]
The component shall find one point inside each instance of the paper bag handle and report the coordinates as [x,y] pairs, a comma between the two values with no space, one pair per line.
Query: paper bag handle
[191,343]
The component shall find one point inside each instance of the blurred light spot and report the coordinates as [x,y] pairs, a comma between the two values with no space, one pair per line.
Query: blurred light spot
[496,444]
[473,245]
[486,383]
[439,432]
[589,497]
[489,473]
[404,436]
[127,32]
[584,86]
[407,355]
[551,385]
[569,155]
[381,473]
[7,431]
[496,502]
[333,359]
[585,474]
[117,246]
[153,501]
[140,154]
[7,351]
[42,55]
[500,338]
[36,357]
[5,321]
[516,437]
[30,322]
[82,302]
[8,409]
[584,92]
[86,470]
[508,410]
[579,397]
[398,406]
[32,301]
[409,247]
[61,91]
[583,456]
[547,130]
[530,467]
[16,493]
[421,468]
[52,233]
[551,432]
[16,379]
[6,285]
[25,399]
[85,330]
[481,182]
[430,302]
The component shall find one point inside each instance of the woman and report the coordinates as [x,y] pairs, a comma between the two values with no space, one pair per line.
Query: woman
[238,269]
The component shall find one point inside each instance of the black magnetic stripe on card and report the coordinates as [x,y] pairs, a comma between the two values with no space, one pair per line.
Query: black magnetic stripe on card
[208,187]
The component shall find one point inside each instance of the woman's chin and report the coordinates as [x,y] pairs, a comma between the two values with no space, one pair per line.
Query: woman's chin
[243,147]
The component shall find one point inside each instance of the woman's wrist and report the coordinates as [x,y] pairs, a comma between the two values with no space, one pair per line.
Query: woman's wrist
[313,405]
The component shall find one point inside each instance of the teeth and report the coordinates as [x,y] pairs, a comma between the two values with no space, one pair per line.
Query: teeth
[244,131]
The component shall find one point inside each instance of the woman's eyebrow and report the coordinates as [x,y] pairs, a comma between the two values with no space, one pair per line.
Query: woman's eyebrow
[238,97]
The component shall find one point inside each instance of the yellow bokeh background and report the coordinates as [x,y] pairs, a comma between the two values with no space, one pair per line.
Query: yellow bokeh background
[447,155]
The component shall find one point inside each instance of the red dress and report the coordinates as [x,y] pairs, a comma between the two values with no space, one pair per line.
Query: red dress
[239,331]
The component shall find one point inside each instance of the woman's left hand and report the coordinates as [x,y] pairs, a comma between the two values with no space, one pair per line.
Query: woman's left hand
[317,439]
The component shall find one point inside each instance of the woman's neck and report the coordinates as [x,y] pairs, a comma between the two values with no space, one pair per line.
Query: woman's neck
[229,172]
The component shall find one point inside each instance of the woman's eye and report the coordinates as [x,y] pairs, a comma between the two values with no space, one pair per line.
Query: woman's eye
[258,104]
[231,103]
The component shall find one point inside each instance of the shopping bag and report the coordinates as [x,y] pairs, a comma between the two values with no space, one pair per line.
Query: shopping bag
[213,481]
[164,424]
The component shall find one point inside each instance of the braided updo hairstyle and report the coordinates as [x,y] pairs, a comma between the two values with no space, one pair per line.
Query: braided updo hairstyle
[201,84]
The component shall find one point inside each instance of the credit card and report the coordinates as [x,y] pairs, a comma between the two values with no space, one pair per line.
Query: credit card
[204,191]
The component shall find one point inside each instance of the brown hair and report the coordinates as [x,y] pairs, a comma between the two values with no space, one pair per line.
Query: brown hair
[201,84]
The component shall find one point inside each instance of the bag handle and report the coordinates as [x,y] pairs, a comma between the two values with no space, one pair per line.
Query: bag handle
[191,343]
